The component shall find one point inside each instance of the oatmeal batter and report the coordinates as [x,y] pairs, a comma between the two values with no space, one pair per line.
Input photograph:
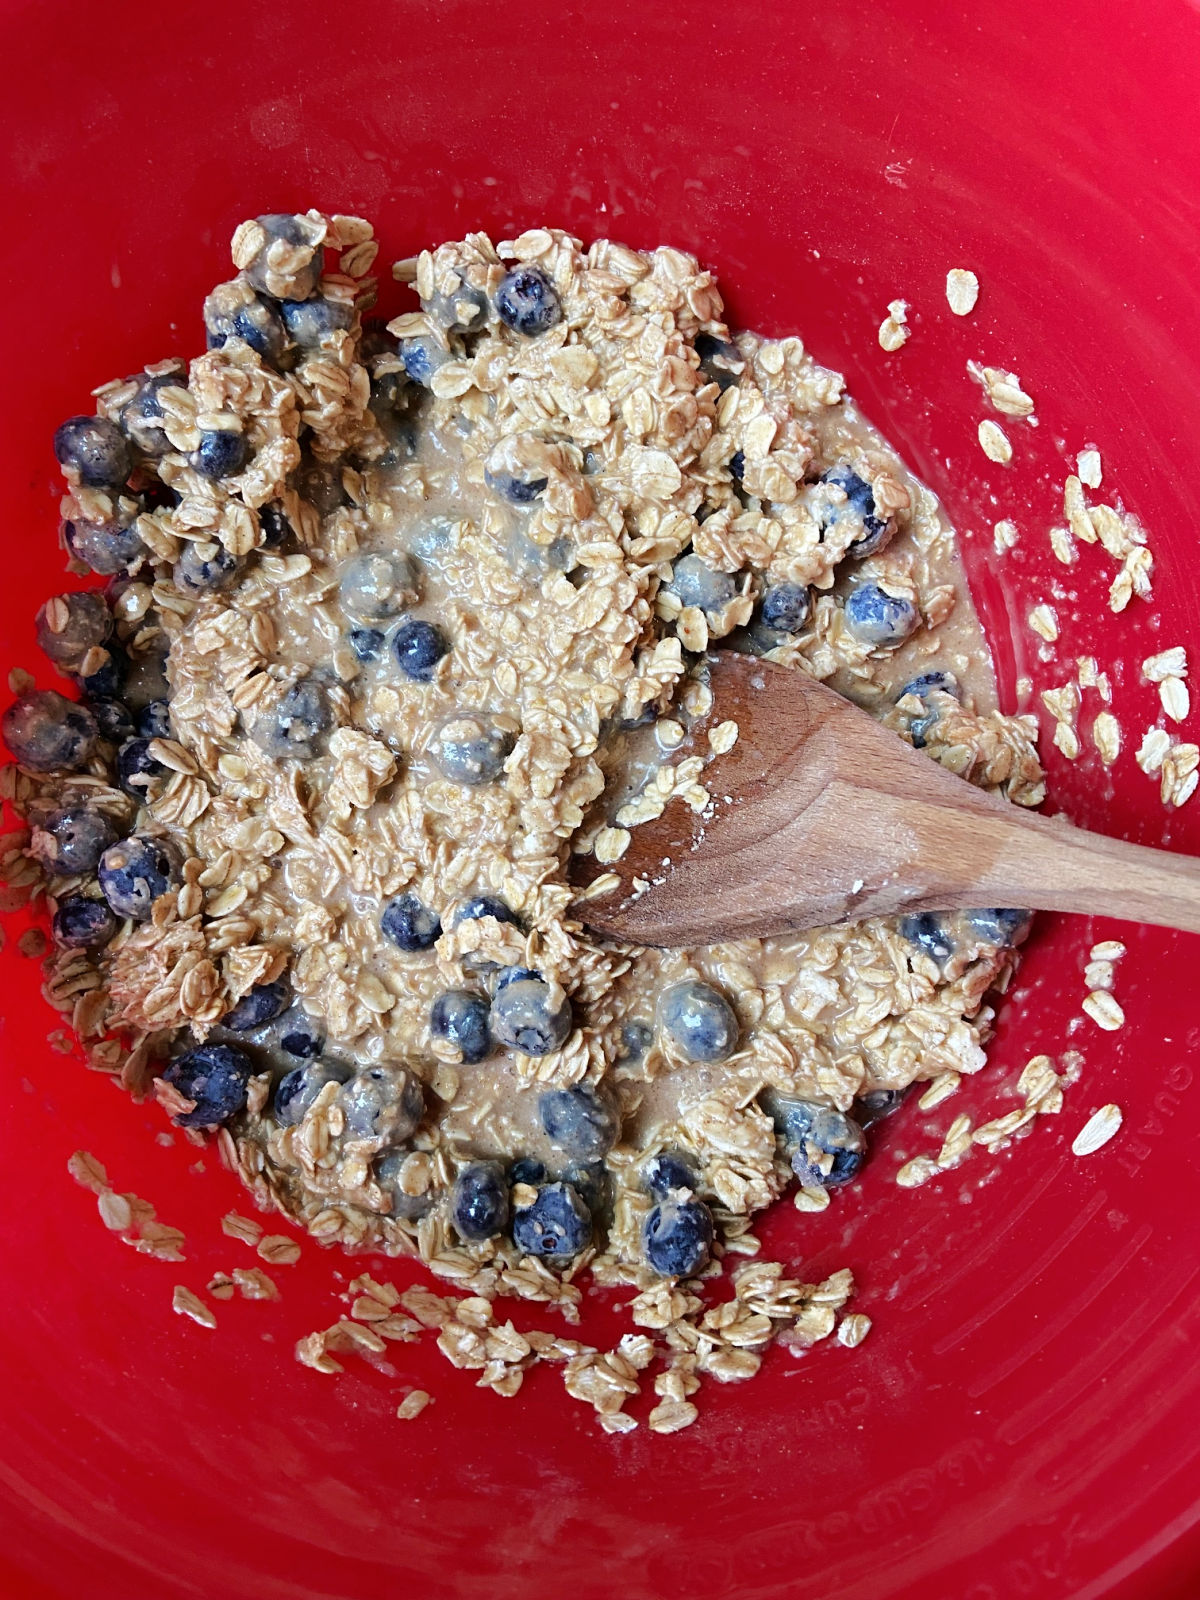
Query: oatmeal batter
[432,603]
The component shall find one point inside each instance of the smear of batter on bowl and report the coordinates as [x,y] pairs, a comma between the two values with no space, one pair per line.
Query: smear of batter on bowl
[396,619]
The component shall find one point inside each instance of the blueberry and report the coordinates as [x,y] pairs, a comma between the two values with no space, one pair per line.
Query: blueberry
[665,1172]
[310,321]
[297,723]
[215,1076]
[461,1018]
[859,504]
[859,497]
[72,840]
[154,720]
[581,1122]
[677,1237]
[205,568]
[557,1223]
[422,356]
[696,584]
[876,1104]
[636,1039]
[786,607]
[366,643]
[527,301]
[320,483]
[107,680]
[593,462]
[81,924]
[1003,927]
[133,873]
[517,491]
[463,310]
[113,719]
[142,416]
[234,311]
[485,905]
[276,529]
[719,360]
[294,273]
[508,975]
[479,1200]
[297,1090]
[95,449]
[146,678]
[878,618]
[825,1146]
[382,1103]
[468,750]
[388,1171]
[48,733]
[220,453]
[409,925]
[390,394]
[107,547]
[137,768]
[374,588]
[925,931]
[418,647]
[526,1170]
[737,465]
[700,1021]
[929,683]
[299,1036]
[531,1015]
[82,621]
[259,1005]
[592,1182]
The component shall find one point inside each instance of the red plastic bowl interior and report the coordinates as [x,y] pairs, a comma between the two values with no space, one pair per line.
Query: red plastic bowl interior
[1022,1420]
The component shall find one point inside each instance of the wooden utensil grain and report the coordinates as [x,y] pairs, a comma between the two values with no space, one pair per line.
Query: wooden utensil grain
[821,815]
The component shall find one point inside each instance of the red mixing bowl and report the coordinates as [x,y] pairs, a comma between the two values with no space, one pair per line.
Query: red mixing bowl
[1022,1421]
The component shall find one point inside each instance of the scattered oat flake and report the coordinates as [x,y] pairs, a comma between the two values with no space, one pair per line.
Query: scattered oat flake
[1107,950]
[246,1229]
[1003,390]
[852,1330]
[1043,619]
[994,442]
[811,1197]
[916,1172]
[115,1211]
[1097,1130]
[253,1284]
[413,1404]
[894,330]
[671,1415]
[1066,740]
[723,737]
[1156,742]
[221,1286]
[940,1088]
[1062,544]
[32,943]
[1170,663]
[1106,736]
[1104,1010]
[611,844]
[278,1249]
[188,1304]
[1175,697]
[1087,465]
[962,290]
[89,1172]
[1004,536]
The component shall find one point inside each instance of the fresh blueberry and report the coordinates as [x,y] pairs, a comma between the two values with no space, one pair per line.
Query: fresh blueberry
[220,453]
[527,301]
[878,618]
[859,504]
[636,1039]
[137,768]
[517,491]
[154,720]
[113,719]
[557,1223]
[374,588]
[825,1146]
[1003,927]
[297,1090]
[925,931]
[215,1076]
[304,261]
[366,643]
[205,568]
[696,584]
[859,497]
[469,750]
[234,311]
[81,924]
[142,417]
[737,465]
[72,840]
[700,1021]
[134,872]
[668,1171]
[383,1103]
[299,1035]
[48,733]
[422,356]
[531,1015]
[108,679]
[83,622]
[508,975]
[479,1200]
[786,607]
[259,1005]
[320,483]
[460,1016]
[388,1171]
[390,393]
[310,321]
[928,683]
[107,547]
[95,449]
[409,925]
[297,723]
[678,1236]
[485,905]
[719,360]
[876,1104]
[592,1182]
[526,1170]
[276,529]
[418,647]
[593,462]
[581,1122]
[462,310]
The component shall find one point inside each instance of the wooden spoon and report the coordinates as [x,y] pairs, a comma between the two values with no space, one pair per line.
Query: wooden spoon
[821,815]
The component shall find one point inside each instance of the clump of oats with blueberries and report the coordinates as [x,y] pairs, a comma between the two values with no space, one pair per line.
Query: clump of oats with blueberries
[392,620]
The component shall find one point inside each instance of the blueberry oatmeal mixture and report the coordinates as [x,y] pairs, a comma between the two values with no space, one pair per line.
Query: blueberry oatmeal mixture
[395,619]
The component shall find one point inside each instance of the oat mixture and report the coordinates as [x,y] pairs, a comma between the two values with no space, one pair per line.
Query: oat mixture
[396,620]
